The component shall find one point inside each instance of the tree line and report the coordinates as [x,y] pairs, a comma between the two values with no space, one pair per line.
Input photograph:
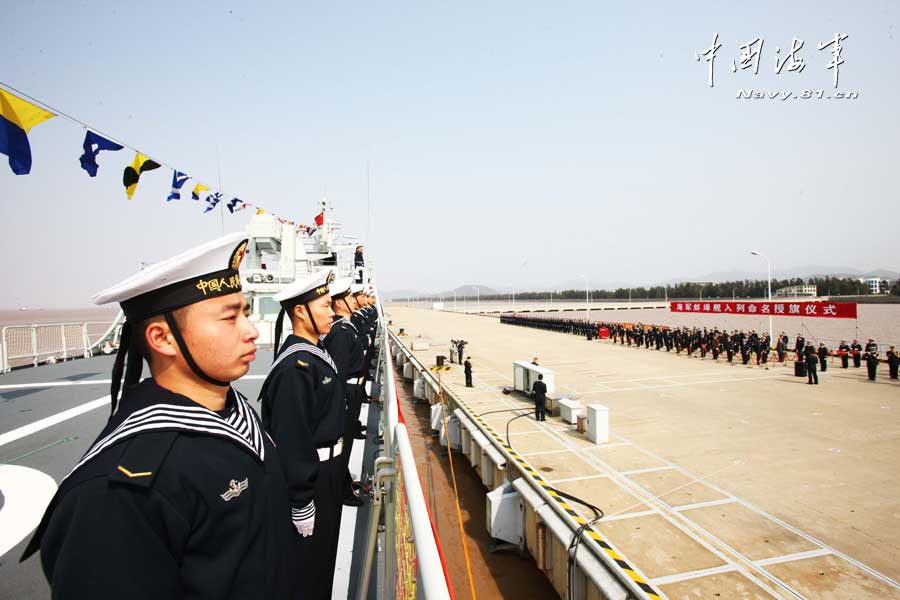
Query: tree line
[748,288]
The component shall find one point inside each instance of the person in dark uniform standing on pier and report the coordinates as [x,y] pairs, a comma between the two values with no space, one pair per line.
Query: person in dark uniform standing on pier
[800,346]
[893,361]
[811,360]
[765,348]
[460,346]
[182,494]
[856,351]
[728,344]
[844,353]
[871,346]
[304,410]
[823,356]
[871,357]
[539,389]
[467,368]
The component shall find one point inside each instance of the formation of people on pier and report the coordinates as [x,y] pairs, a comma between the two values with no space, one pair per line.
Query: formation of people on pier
[750,348]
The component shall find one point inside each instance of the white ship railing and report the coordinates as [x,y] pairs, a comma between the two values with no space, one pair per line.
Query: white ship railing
[31,345]
[411,559]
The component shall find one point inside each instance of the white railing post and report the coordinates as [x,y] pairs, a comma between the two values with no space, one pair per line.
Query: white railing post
[4,364]
[34,346]
[65,345]
[86,341]
[384,471]
[431,574]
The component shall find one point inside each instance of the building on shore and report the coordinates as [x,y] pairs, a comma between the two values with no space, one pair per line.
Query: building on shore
[797,291]
[876,285]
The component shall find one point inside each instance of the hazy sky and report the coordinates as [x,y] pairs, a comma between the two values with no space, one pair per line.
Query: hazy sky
[511,143]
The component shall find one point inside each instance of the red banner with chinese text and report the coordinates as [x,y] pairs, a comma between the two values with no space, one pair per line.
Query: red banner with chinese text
[828,310]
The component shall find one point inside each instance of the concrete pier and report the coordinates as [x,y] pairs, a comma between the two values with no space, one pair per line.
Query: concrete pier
[716,479]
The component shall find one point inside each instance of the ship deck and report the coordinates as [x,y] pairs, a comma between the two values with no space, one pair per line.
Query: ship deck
[718,480]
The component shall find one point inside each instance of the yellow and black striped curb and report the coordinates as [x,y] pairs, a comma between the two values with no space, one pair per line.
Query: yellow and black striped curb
[527,468]
[444,368]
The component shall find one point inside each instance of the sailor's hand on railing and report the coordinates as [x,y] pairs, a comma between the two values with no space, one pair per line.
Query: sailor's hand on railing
[304,519]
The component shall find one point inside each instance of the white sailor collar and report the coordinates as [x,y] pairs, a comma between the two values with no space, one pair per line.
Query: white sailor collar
[303,346]
[179,413]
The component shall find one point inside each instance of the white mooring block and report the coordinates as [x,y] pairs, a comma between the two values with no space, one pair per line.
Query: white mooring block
[453,430]
[437,418]
[505,513]
[569,410]
[597,423]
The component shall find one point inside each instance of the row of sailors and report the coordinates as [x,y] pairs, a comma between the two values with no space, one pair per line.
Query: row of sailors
[703,341]
[186,492]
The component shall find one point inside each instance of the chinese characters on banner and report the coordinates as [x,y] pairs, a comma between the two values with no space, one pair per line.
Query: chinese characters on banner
[829,310]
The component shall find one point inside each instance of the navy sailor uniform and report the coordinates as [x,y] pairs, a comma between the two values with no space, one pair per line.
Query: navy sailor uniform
[303,410]
[172,501]
[344,346]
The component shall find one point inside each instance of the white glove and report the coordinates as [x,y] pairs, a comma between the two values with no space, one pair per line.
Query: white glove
[304,519]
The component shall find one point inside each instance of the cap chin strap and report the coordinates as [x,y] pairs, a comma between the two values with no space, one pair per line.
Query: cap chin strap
[128,360]
[279,327]
[311,319]
[173,326]
[119,366]
[349,310]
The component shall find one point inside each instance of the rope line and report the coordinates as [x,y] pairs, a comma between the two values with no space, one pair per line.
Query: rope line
[462,534]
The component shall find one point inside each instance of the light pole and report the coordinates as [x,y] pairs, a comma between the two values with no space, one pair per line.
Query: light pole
[769,265]
[587,301]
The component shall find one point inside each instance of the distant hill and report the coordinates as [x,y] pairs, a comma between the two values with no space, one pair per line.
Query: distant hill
[470,290]
[463,290]
[717,276]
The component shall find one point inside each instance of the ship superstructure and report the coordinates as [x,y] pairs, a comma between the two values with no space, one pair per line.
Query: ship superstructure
[280,252]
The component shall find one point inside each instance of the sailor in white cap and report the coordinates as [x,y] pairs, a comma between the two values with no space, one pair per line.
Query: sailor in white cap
[182,494]
[358,294]
[304,411]
[367,307]
[347,349]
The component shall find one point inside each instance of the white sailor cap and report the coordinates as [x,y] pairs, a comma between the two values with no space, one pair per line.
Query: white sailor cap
[204,272]
[340,287]
[305,290]
[357,289]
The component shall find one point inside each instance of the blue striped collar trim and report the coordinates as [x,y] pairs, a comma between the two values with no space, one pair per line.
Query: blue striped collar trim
[304,347]
[241,426]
